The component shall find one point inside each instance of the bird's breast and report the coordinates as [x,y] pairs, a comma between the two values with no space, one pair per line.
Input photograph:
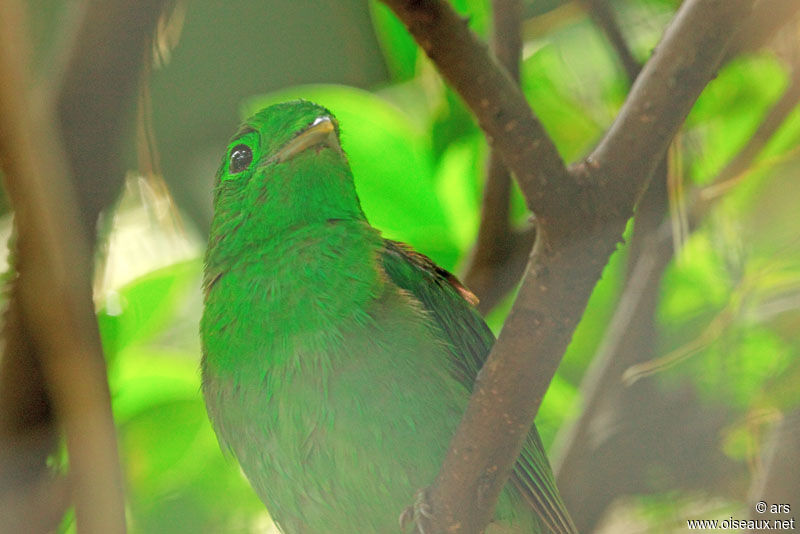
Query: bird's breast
[297,289]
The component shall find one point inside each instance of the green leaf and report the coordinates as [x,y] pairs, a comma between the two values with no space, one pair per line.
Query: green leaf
[477,12]
[730,109]
[696,287]
[451,123]
[786,139]
[759,355]
[544,82]
[143,307]
[399,49]
[736,367]
[142,377]
[458,182]
[177,476]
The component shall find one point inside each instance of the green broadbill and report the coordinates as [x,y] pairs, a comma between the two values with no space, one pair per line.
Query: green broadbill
[336,363]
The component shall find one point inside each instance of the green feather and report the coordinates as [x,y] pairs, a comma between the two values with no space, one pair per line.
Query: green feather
[336,364]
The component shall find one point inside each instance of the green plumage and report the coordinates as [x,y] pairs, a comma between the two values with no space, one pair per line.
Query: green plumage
[336,364]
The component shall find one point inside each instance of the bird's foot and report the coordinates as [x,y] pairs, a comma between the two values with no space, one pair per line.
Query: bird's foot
[417,514]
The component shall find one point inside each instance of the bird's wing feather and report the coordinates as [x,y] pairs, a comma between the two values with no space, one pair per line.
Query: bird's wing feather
[451,306]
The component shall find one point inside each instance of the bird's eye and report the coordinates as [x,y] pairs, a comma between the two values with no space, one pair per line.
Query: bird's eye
[241,156]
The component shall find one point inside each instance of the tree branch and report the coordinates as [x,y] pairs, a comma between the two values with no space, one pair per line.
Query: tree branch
[101,72]
[95,95]
[630,332]
[603,15]
[768,17]
[628,339]
[581,219]
[501,253]
[490,93]
[53,288]
[652,207]
[505,276]
[665,91]
[496,239]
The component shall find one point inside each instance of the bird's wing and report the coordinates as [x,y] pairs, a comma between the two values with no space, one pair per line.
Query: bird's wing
[451,306]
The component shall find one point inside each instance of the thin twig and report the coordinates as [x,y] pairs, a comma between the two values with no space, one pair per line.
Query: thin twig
[743,160]
[603,15]
[495,241]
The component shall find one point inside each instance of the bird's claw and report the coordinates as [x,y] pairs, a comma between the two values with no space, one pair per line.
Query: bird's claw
[417,513]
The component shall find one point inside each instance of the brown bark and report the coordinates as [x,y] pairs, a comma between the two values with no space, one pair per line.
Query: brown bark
[581,215]
[580,464]
[52,375]
[495,249]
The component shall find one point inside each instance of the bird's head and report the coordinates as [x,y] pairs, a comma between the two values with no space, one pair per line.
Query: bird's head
[283,169]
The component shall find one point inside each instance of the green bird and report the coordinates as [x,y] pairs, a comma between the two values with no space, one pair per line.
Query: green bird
[336,363]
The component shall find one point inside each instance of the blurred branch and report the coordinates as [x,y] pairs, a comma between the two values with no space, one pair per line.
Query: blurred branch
[496,239]
[604,17]
[629,340]
[499,279]
[52,296]
[637,306]
[630,331]
[648,439]
[767,18]
[506,44]
[734,170]
[581,216]
[52,349]
[95,96]
[780,480]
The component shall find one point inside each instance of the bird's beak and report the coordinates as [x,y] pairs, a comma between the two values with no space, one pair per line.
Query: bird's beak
[321,132]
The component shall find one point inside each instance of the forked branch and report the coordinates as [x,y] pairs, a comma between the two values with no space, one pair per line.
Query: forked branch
[582,214]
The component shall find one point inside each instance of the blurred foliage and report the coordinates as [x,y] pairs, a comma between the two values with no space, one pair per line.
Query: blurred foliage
[730,302]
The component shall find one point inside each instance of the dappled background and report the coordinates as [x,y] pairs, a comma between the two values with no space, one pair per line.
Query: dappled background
[677,393]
